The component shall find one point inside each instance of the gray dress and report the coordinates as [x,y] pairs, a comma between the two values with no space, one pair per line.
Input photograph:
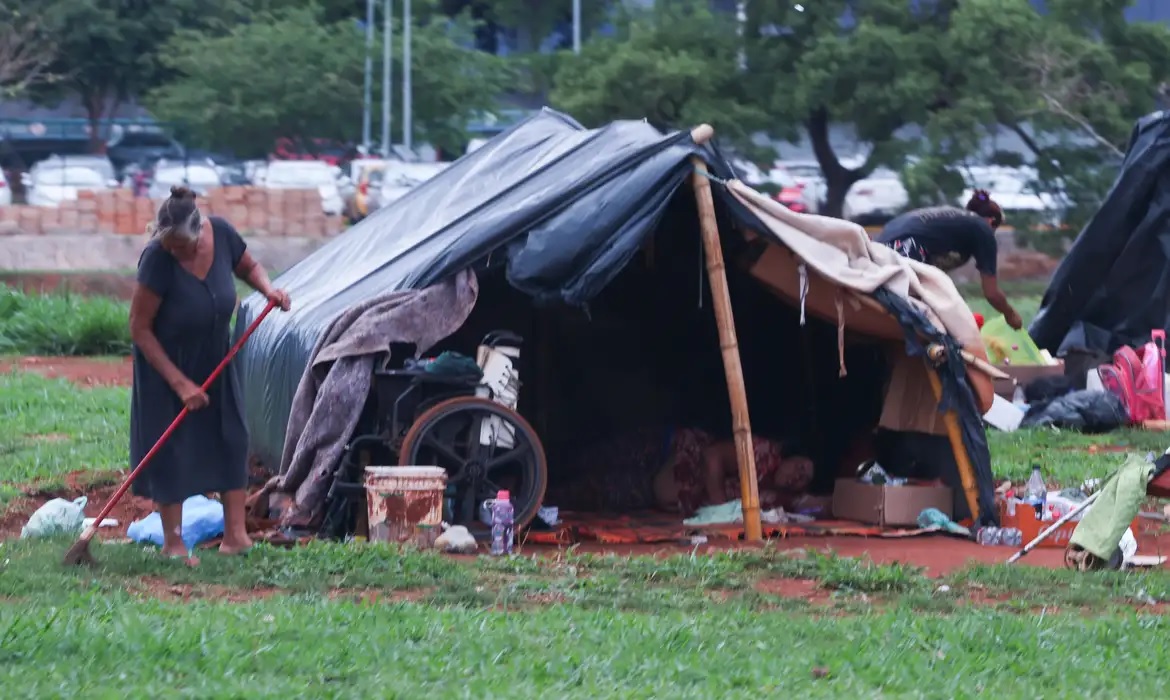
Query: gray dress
[208,451]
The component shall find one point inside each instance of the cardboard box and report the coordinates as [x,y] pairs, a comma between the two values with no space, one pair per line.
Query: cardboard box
[888,505]
[1023,375]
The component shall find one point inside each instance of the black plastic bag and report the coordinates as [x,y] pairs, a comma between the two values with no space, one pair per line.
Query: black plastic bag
[1086,410]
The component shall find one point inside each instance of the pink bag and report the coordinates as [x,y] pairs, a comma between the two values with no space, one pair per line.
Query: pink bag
[1138,379]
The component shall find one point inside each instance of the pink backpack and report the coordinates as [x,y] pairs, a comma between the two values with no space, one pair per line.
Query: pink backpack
[1138,377]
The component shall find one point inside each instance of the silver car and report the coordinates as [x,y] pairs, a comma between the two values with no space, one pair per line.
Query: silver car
[50,186]
[199,178]
[306,175]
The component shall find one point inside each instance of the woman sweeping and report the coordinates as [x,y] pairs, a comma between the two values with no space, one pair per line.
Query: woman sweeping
[180,318]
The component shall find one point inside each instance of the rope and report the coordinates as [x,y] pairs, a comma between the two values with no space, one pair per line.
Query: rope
[711,177]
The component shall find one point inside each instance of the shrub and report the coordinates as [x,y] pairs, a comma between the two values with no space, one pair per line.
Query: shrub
[62,324]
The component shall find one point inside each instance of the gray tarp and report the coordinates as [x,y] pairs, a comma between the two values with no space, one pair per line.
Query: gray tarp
[570,205]
[564,208]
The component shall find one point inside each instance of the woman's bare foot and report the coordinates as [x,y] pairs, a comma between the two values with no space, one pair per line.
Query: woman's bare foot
[235,545]
[175,552]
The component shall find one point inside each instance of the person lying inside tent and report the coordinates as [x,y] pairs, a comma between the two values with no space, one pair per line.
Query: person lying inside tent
[678,470]
[947,237]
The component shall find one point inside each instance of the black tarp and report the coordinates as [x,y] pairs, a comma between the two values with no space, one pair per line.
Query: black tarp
[1113,287]
[566,207]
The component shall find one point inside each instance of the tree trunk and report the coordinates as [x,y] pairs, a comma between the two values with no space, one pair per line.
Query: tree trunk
[95,105]
[838,178]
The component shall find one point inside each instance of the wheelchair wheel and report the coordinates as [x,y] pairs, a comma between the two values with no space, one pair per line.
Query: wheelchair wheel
[450,435]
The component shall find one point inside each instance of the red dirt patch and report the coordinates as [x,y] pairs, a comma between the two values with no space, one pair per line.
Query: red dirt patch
[159,589]
[83,371]
[129,509]
[795,588]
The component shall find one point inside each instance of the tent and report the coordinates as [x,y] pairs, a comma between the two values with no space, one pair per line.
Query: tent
[1113,287]
[559,212]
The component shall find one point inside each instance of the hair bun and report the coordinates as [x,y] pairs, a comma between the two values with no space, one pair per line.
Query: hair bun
[979,194]
[180,192]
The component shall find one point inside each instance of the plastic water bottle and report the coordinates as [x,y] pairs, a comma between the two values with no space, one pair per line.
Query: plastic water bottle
[502,515]
[996,536]
[1037,491]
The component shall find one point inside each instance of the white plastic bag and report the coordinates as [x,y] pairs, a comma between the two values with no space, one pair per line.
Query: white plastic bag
[56,517]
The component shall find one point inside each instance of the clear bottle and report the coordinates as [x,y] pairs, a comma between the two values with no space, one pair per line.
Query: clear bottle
[988,536]
[1011,537]
[1036,491]
[502,514]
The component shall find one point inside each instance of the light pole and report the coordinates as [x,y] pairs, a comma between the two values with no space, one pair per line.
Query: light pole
[369,74]
[407,118]
[576,26]
[387,45]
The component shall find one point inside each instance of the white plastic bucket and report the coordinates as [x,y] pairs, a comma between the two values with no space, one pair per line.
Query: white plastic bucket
[403,501]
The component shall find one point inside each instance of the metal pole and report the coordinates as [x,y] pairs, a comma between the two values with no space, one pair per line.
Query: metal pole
[407,118]
[366,99]
[387,46]
[576,26]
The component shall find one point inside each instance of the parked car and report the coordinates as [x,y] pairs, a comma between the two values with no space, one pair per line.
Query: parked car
[792,193]
[137,146]
[399,179]
[880,195]
[5,191]
[101,164]
[1013,190]
[306,175]
[198,177]
[807,174]
[51,185]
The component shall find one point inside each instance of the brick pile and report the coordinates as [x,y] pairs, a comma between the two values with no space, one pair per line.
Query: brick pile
[252,210]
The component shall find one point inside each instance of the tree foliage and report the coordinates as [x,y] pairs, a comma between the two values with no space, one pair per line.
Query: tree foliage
[290,75]
[26,49]
[675,66]
[107,51]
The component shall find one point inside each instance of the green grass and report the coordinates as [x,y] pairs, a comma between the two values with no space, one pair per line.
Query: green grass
[62,324]
[50,427]
[360,620]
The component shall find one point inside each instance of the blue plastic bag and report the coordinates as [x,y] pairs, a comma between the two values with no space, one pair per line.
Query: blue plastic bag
[202,520]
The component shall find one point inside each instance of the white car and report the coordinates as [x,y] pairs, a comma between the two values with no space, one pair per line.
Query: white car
[880,194]
[49,186]
[5,191]
[1011,188]
[199,178]
[306,175]
[101,164]
[401,178]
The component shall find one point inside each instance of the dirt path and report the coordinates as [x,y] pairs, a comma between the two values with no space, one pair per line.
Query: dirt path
[84,371]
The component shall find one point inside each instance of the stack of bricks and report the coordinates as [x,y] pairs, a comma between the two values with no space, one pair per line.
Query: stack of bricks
[253,211]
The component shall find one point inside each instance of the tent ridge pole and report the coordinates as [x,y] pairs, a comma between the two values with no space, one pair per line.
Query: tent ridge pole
[728,343]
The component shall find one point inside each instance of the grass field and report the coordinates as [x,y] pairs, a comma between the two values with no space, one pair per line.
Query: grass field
[359,620]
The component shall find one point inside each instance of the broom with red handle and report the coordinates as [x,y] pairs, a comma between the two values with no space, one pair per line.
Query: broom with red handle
[79,552]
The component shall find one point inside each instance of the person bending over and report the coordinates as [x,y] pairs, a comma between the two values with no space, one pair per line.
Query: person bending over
[947,237]
[180,318]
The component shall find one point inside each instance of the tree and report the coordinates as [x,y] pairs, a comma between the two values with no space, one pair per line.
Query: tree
[108,50]
[676,66]
[25,49]
[878,66]
[1068,82]
[290,75]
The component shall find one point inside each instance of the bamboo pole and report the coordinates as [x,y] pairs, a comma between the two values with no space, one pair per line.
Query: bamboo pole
[728,343]
[955,435]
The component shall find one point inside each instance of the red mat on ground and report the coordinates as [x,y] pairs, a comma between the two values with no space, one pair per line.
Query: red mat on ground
[652,528]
